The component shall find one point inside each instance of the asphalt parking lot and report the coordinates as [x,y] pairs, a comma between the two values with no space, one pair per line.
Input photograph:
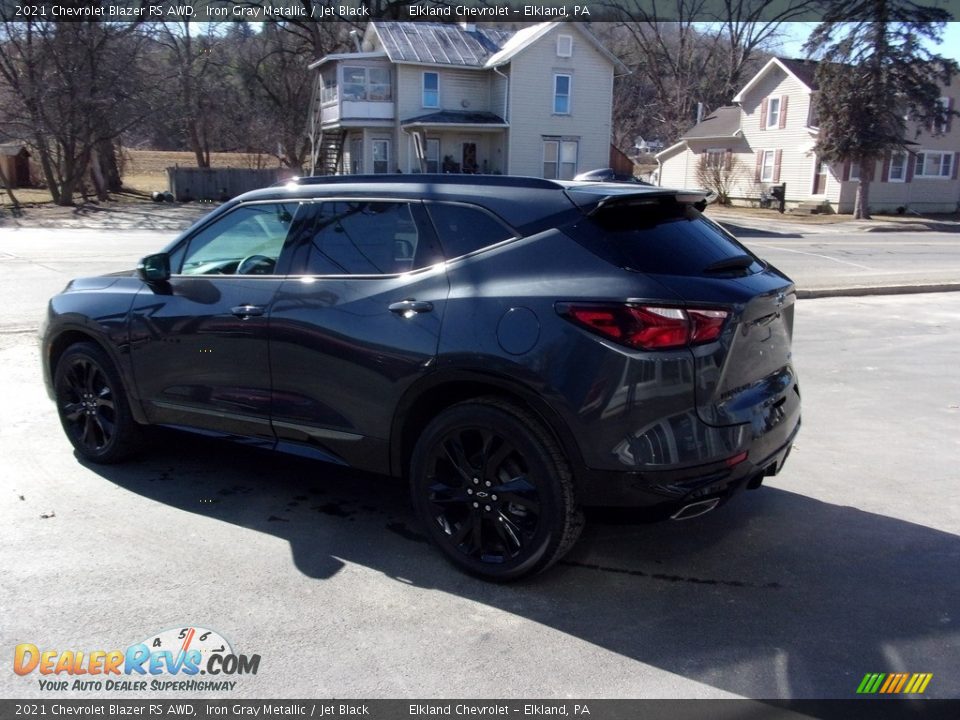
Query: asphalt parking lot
[844,564]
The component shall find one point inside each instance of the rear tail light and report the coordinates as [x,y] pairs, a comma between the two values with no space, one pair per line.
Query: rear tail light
[648,327]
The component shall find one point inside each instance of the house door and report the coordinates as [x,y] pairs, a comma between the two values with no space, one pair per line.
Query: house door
[820,178]
[469,164]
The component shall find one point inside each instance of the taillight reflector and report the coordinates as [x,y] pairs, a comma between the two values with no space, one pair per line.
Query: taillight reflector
[648,327]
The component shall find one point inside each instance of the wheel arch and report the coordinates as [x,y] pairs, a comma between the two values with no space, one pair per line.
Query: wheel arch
[68,335]
[442,389]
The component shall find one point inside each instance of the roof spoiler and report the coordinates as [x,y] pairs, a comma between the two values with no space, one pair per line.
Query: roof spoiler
[697,198]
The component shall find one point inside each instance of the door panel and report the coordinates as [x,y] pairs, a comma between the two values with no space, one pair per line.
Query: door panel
[199,341]
[341,357]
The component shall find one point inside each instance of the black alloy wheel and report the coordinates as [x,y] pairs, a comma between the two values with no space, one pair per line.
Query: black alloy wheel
[93,406]
[494,490]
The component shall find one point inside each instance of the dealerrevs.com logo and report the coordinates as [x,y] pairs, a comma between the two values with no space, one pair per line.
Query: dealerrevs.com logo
[174,659]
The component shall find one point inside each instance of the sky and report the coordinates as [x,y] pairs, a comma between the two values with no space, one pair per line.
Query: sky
[796,34]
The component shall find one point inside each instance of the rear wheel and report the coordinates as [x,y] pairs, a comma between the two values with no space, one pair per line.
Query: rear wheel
[494,490]
[92,405]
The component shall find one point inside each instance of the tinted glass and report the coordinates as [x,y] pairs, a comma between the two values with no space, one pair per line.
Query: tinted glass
[463,229]
[246,241]
[663,237]
[361,238]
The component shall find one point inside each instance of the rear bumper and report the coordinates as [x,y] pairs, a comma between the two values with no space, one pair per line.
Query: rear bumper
[676,487]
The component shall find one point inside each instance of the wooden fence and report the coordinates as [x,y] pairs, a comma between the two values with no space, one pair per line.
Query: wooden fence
[220,184]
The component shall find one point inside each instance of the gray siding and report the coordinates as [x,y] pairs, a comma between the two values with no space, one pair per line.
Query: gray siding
[459,90]
[531,103]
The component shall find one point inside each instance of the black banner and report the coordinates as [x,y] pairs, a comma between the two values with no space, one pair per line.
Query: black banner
[427,10]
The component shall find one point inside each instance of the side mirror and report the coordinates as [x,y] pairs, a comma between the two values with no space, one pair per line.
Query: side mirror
[154,268]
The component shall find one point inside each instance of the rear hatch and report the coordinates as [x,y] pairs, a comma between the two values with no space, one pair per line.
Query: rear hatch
[746,374]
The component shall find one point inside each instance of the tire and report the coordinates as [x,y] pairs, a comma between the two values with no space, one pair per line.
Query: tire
[92,405]
[494,491]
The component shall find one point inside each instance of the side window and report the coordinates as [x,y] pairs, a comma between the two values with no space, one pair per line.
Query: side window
[362,238]
[463,229]
[246,241]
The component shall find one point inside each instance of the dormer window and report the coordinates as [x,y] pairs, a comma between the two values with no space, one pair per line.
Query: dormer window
[564,46]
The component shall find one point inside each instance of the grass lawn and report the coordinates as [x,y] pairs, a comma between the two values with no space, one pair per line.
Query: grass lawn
[144,172]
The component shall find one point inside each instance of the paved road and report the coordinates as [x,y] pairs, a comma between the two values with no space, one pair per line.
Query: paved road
[825,257]
[844,564]
[36,263]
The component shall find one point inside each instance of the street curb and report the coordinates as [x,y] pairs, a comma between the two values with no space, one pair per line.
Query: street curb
[876,290]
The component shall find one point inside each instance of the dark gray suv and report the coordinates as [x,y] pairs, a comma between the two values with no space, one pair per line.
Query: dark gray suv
[516,348]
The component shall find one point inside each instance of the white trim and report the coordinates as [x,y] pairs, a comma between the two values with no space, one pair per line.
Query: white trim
[756,78]
[669,150]
[526,37]
[940,175]
[373,159]
[569,94]
[906,160]
[763,165]
[707,152]
[568,50]
[779,101]
[423,89]
[346,56]
[813,178]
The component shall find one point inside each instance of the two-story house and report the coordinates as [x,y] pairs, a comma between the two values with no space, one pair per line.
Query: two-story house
[767,138]
[439,97]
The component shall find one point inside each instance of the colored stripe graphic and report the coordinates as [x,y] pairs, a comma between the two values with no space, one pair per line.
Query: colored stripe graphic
[894,683]
[866,685]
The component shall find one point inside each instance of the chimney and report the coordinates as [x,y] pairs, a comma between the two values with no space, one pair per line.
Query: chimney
[356,40]
[468,26]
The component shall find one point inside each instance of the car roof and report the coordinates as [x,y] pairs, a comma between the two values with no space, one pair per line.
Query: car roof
[520,201]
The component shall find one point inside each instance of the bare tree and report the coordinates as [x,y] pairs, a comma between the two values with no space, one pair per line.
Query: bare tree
[272,71]
[75,89]
[720,174]
[192,59]
[688,60]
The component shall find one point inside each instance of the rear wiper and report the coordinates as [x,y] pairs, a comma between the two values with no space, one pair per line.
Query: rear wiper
[737,262]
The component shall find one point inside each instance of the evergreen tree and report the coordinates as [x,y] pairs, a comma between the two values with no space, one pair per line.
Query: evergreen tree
[875,75]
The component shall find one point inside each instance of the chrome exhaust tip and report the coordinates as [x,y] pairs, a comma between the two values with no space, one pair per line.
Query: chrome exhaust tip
[688,512]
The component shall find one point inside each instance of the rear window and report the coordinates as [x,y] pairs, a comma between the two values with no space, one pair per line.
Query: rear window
[663,236]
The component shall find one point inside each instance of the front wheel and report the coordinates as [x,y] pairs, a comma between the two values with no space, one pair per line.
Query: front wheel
[93,406]
[494,490]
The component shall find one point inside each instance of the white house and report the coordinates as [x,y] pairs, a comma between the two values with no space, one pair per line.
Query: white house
[767,137]
[437,97]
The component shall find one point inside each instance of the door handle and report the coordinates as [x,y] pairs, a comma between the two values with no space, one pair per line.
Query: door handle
[409,308]
[247,311]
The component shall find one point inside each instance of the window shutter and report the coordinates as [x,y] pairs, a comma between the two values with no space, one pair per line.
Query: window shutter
[783,111]
[949,114]
[956,160]
[728,161]
[846,171]
[910,160]
[759,169]
[776,165]
[885,172]
[763,114]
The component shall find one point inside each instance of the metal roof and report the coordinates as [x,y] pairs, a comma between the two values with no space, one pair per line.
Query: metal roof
[457,117]
[439,43]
